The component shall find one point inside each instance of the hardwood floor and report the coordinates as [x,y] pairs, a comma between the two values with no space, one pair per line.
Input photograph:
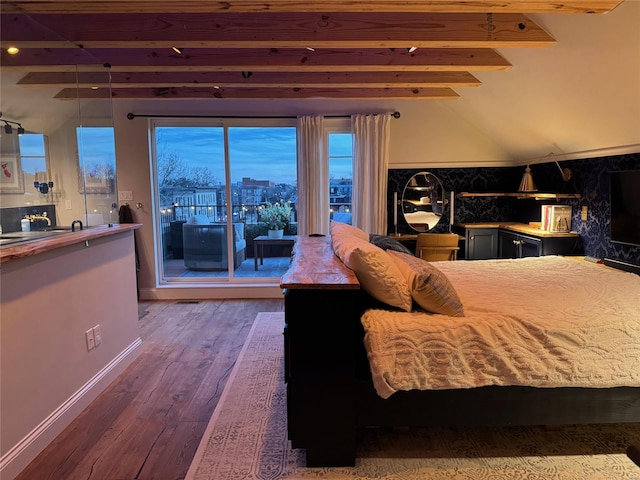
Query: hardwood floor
[148,423]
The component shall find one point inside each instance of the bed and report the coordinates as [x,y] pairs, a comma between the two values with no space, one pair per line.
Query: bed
[546,340]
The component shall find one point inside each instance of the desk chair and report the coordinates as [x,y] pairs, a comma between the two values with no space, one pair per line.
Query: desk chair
[435,247]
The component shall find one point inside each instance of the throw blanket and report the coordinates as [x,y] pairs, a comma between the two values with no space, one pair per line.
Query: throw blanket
[542,322]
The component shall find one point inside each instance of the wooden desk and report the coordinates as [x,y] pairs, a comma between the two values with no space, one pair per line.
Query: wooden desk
[262,240]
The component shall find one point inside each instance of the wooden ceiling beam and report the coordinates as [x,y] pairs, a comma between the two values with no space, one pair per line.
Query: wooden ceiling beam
[251,79]
[265,60]
[256,6]
[274,30]
[186,93]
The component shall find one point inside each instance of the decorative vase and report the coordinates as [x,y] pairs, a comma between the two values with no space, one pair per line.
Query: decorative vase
[275,233]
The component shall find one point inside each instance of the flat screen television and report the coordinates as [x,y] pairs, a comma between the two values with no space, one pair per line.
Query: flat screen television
[625,207]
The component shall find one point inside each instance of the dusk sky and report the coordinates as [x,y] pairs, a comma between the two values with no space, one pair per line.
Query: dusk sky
[261,153]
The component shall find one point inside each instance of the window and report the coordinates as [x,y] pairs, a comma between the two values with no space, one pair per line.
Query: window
[212,178]
[340,153]
[33,157]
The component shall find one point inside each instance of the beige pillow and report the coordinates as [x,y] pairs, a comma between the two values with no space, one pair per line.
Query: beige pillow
[377,273]
[339,228]
[430,288]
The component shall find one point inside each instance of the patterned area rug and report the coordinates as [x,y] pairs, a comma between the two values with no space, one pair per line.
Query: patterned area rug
[246,438]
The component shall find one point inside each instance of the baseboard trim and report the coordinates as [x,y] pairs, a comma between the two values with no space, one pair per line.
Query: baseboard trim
[620,265]
[21,454]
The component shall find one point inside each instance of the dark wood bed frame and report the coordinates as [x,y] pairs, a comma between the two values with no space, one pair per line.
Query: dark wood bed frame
[330,393]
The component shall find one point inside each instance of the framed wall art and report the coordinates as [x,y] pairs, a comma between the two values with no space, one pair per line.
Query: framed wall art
[11,178]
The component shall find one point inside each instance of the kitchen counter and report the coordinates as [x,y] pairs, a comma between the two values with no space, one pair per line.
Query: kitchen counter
[27,244]
[519,228]
[58,291]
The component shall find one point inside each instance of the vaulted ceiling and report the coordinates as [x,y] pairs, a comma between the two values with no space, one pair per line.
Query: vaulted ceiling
[277,49]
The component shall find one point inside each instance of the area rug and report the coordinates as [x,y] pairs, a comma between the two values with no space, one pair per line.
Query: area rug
[246,438]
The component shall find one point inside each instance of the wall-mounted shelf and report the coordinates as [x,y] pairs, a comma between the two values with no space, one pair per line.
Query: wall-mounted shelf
[535,195]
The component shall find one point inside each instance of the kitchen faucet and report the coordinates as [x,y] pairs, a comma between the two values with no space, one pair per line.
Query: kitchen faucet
[73,225]
[40,217]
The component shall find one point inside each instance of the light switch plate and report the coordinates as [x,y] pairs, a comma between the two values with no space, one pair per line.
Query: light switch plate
[583,213]
[125,195]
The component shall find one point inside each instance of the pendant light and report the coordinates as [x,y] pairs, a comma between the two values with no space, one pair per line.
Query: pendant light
[527,184]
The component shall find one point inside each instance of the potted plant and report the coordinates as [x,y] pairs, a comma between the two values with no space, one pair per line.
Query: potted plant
[276,216]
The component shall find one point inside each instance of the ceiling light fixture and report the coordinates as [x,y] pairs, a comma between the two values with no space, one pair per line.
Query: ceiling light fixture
[12,50]
[177,50]
[9,129]
[311,49]
[412,49]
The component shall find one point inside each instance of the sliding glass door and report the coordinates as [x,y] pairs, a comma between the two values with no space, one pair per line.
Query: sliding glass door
[212,179]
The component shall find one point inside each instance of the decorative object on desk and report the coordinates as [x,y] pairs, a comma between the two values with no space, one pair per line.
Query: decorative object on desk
[423,201]
[276,216]
[527,184]
[11,178]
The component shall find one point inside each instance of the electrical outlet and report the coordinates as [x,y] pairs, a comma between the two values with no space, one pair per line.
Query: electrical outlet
[97,334]
[583,213]
[91,340]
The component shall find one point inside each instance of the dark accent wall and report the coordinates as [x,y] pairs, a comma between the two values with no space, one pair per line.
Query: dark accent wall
[590,179]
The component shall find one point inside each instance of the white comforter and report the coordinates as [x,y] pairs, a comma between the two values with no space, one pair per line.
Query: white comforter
[543,322]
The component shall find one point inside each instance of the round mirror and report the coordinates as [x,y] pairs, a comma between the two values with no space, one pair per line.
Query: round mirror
[423,201]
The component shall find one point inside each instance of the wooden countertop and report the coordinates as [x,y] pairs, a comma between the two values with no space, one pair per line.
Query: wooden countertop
[28,248]
[519,228]
[315,266]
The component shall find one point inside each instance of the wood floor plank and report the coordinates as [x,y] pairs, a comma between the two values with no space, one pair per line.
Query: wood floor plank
[148,423]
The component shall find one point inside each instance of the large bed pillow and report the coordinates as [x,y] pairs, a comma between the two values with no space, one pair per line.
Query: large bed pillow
[376,271]
[339,228]
[430,288]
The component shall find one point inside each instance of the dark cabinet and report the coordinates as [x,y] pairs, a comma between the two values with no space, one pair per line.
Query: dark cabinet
[484,243]
[513,245]
[481,243]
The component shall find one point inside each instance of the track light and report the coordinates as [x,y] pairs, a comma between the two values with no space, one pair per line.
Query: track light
[177,50]
[20,129]
[7,128]
[412,49]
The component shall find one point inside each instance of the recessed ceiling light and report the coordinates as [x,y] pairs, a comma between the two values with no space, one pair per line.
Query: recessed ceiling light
[12,50]
[311,49]
[94,87]
[177,50]
[412,49]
